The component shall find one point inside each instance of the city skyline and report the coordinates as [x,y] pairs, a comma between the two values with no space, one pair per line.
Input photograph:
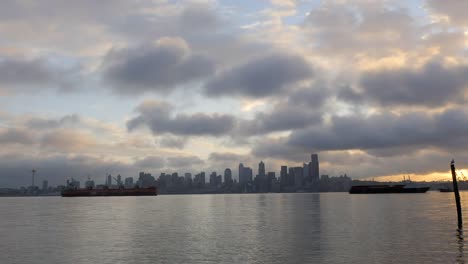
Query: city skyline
[117,87]
[305,178]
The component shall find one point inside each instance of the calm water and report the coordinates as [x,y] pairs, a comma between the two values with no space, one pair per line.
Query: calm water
[257,228]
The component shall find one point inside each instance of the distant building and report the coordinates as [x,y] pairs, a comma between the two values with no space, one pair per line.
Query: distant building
[291,177]
[242,180]
[213,178]
[298,177]
[248,173]
[109,181]
[188,176]
[227,176]
[271,178]
[129,182]
[89,184]
[45,186]
[73,184]
[314,171]
[261,169]
[188,179]
[284,175]
[199,180]
[145,180]
[305,171]
[261,181]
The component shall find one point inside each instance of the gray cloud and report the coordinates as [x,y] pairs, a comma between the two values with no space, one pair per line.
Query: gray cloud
[386,130]
[34,74]
[45,123]
[15,136]
[196,17]
[340,162]
[432,85]
[157,116]
[184,162]
[150,163]
[173,142]
[369,28]
[260,77]
[454,9]
[25,72]
[281,118]
[159,67]
[278,148]
[226,157]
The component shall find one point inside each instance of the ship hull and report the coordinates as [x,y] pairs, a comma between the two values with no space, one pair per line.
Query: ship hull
[110,192]
[376,189]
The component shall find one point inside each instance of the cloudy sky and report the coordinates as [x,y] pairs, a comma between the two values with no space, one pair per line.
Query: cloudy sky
[377,88]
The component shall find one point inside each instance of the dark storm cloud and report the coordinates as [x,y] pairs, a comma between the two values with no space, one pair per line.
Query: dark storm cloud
[15,136]
[44,123]
[387,130]
[184,162]
[150,163]
[157,116]
[260,77]
[432,85]
[159,67]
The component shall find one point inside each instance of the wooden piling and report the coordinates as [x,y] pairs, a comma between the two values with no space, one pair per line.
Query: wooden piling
[457,195]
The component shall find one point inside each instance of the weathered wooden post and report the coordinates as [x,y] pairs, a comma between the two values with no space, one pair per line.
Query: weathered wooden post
[457,195]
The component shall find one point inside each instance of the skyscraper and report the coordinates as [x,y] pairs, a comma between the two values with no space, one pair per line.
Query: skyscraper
[284,175]
[298,177]
[314,168]
[261,181]
[129,182]
[241,174]
[213,178]
[227,176]
[261,169]
[45,186]
[109,180]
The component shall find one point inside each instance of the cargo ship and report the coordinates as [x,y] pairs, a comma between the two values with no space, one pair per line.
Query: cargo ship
[399,188]
[73,192]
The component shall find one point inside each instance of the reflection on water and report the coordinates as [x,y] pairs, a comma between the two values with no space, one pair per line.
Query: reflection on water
[247,228]
[460,243]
